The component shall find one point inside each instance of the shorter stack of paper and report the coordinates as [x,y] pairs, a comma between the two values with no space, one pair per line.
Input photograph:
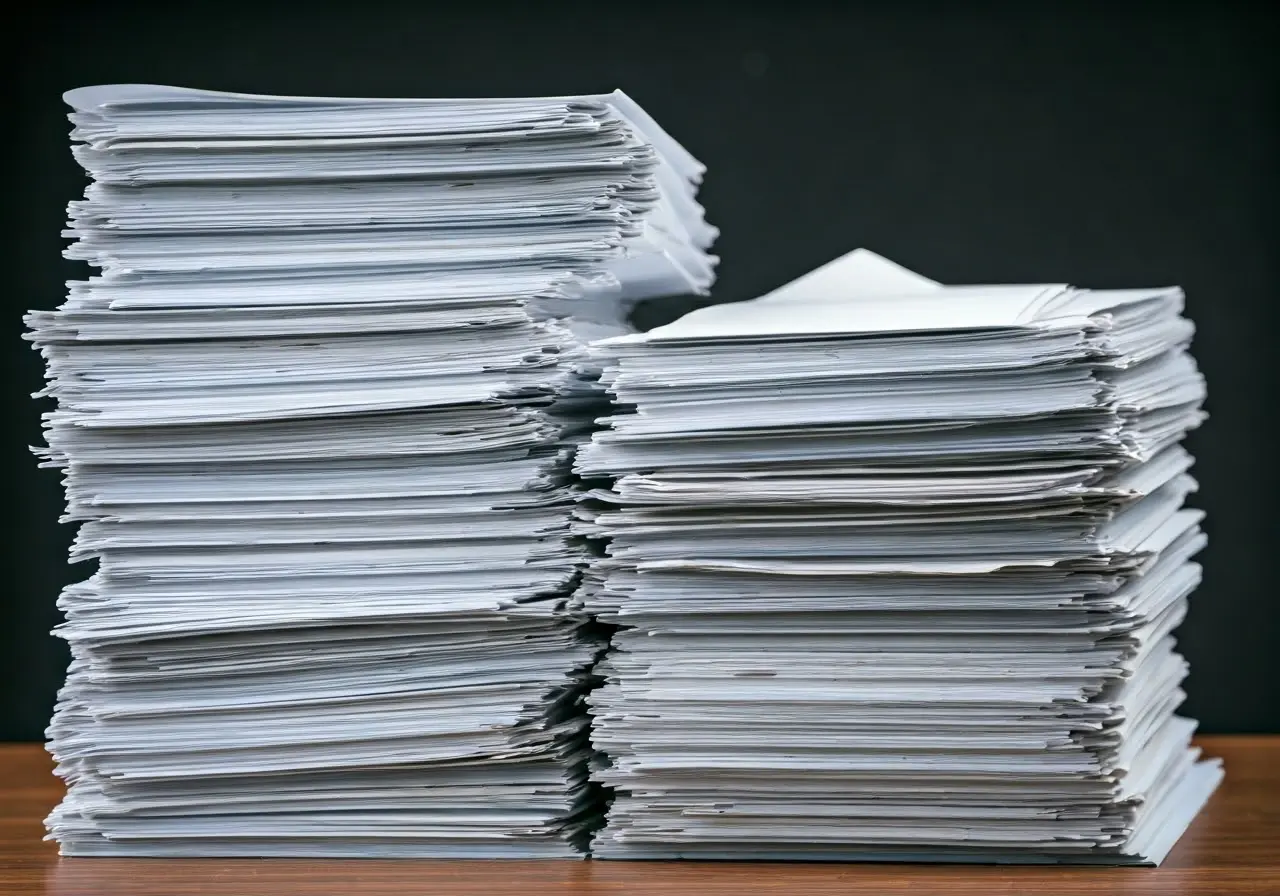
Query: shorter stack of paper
[897,567]
[316,416]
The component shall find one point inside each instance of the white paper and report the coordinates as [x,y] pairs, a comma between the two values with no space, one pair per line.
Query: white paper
[315,413]
[897,568]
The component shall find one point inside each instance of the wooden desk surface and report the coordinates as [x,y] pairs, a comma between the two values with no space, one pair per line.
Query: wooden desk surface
[1233,848]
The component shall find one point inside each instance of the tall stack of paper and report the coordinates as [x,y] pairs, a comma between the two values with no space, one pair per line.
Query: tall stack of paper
[317,414]
[898,566]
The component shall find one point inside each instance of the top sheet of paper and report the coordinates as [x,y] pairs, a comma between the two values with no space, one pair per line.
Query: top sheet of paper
[862,293]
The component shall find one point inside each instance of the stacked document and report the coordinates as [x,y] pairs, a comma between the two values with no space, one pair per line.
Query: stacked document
[897,567]
[317,415]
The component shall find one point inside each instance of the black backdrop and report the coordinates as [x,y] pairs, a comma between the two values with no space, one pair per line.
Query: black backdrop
[1113,144]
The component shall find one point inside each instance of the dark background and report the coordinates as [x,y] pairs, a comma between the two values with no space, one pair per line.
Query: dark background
[1112,145]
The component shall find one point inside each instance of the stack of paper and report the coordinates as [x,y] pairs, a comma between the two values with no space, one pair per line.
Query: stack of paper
[316,415]
[897,567]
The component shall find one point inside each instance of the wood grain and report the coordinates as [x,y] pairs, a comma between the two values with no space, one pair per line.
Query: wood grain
[1233,848]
